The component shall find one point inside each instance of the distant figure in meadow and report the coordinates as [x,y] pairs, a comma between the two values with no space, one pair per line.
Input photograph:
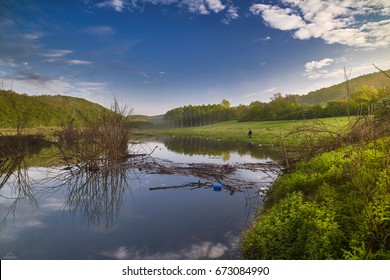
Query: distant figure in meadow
[250,133]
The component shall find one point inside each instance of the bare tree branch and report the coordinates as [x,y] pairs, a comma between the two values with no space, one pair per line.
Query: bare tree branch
[387,75]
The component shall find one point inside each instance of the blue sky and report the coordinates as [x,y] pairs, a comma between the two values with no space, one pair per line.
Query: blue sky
[155,55]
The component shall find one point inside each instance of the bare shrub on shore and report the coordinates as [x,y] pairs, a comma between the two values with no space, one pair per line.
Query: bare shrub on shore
[318,137]
[99,142]
[313,139]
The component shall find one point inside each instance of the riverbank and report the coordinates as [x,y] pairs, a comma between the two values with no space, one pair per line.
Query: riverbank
[334,206]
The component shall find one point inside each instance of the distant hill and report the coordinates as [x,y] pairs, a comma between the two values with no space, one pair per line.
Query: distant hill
[44,110]
[151,119]
[144,122]
[335,92]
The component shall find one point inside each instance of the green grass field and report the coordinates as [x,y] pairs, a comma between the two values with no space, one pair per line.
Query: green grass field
[264,132]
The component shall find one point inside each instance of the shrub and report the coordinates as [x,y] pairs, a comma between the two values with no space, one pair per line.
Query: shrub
[101,142]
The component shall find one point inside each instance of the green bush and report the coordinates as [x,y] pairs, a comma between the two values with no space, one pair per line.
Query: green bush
[294,229]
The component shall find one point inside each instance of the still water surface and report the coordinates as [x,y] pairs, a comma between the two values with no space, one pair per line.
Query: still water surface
[63,214]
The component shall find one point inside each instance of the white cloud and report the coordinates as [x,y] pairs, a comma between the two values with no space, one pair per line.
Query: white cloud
[357,23]
[325,68]
[78,62]
[205,250]
[121,253]
[33,36]
[215,5]
[283,19]
[143,74]
[35,82]
[196,6]
[378,33]
[203,7]
[57,53]
[231,14]
[117,5]
[201,250]
[312,65]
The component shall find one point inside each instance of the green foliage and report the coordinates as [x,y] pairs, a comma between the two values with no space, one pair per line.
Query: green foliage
[23,111]
[287,107]
[294,229]
[141,124]
[341,197]
[383,108]
[190,116]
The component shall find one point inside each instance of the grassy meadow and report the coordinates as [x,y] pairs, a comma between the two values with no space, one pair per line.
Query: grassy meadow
[264,132]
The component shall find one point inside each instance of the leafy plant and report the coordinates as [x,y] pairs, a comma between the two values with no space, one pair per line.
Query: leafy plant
[294,229]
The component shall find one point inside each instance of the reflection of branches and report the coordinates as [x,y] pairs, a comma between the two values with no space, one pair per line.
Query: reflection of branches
[13,172]
[96,195]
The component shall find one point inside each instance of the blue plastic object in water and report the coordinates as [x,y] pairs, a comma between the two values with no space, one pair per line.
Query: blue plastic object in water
[217,187]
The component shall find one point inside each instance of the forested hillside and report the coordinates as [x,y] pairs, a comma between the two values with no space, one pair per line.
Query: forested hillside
[21,110]
[335,92]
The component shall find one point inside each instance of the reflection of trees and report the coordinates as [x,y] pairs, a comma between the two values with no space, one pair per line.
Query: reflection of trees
[203,146]
[195,146]
[13,171]
[97,196]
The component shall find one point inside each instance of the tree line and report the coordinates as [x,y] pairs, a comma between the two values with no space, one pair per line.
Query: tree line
[188,116]
[361,101]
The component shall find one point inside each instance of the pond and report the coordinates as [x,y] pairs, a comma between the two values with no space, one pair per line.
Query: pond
[184,198]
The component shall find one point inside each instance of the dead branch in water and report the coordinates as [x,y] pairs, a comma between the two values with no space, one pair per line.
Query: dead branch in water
[191,186]
[224,174]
